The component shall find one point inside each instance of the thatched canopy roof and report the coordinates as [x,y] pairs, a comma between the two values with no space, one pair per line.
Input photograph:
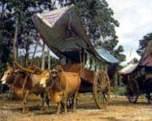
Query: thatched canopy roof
[128,69]
[146,61]
[53,27]
[63,31]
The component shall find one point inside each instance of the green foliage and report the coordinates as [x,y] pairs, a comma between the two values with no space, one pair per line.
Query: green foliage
[97,17]
[6,29]
[22,11]
[4,53]
[116,51]
[119,91]
[144,42]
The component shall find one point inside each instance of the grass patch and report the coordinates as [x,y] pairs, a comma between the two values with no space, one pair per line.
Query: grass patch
[119,91]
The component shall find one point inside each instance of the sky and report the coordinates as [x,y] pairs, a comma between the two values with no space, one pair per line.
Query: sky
[135,18]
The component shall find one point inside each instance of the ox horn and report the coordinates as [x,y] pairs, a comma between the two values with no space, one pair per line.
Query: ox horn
[23,68]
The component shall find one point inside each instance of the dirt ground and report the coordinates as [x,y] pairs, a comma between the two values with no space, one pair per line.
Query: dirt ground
[118,110]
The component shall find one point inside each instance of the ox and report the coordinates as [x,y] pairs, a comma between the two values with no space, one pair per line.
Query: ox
[62,86]
[27,81]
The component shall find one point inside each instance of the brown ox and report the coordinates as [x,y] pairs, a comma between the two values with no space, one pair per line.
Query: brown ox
[19,79]
[99,77]
[62,86]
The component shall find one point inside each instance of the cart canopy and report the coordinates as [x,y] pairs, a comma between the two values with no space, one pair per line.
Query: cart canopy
[128,69]
[63,32]
[146,59]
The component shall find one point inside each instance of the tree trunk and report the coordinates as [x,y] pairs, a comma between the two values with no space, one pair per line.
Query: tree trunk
[35,49]
[27,55]
[15,40]
[43,57]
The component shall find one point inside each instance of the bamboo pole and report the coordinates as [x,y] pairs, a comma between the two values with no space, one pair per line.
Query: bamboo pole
[43,57]
[49,60]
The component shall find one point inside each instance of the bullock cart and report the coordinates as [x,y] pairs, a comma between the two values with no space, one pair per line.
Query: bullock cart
[138,76]
[67,38]
[138,81]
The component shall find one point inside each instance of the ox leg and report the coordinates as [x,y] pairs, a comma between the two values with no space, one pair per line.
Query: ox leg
[75,101]
[47,101]
[26,93]
[65,103]
[42,101]
[58,108]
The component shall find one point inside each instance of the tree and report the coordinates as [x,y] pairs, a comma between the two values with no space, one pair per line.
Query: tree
[6,29]
[16,22]
[144,42]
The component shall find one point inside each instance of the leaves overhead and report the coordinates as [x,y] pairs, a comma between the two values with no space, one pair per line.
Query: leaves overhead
[21,10]
[144,42]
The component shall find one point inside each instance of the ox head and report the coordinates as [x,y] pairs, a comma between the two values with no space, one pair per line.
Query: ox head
[8,75]
[49,79]
[44,77]
[54,73]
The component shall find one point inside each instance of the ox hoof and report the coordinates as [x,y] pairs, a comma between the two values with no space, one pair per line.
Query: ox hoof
[25,110]
[74,111]
[58,112]
[42,109]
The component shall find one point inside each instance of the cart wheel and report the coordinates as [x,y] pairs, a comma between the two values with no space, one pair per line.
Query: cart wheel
[149,98]
[132,98]
[101,89]
[133,92]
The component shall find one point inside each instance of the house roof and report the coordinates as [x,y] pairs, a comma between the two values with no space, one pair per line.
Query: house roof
[53,26]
